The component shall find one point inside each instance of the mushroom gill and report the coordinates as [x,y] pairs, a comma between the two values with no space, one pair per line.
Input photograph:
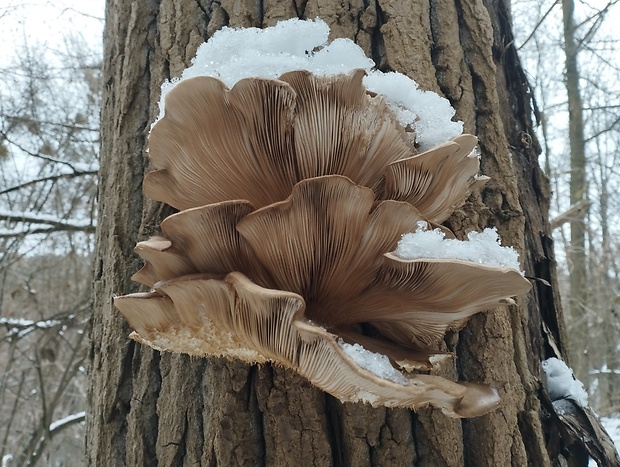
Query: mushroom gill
[293,195]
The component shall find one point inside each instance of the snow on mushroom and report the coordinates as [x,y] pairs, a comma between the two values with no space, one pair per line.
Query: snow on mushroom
[294,192]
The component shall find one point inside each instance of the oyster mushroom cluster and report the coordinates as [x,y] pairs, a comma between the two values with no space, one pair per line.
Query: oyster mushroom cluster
[293,194]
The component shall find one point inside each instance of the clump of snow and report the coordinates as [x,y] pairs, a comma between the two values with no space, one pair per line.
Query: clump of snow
[562,384]
[378,364]
[481,247]
[427,112]
[79,416]
[234,54]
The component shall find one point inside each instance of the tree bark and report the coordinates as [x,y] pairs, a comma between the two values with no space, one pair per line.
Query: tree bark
[154,409]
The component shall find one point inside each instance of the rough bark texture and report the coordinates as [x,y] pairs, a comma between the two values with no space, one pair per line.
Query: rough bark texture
[162,409]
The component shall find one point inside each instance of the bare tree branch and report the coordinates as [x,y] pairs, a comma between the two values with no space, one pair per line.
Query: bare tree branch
[611,127]
[598,18]
[66,422]
[46,220]
[51,178]
[42,231]
[75,166]
[576,211]
[538,25]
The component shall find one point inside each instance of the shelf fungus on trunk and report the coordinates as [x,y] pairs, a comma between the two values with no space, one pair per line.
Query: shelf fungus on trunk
[293,195]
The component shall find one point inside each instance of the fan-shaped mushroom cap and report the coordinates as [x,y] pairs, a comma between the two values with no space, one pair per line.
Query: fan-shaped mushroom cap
[235,318]
[324,255]
[257,140]
[293,192]
[329,245]
[436,181]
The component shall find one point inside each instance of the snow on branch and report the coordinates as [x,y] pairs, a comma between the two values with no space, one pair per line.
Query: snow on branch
[28,323]
[54,222]
[605,370]
[66,422]
[19,327]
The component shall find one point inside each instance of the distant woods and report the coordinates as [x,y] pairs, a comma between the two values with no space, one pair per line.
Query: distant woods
[49,145]
[569,49]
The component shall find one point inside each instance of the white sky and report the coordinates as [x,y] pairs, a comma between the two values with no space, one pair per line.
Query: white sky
[44,25]
[45,22]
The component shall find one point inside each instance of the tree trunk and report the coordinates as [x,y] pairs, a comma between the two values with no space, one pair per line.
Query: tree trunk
[578,303]
[153,409]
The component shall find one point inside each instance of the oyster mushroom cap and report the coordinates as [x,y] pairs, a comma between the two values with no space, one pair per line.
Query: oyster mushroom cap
[436,181]
[322,257]
[233,317]
[330,244]
[293,194]
[258,139]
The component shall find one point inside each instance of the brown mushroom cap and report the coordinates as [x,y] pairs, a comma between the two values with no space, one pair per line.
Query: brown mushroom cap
[257,140]
[436,181]
[293,194]
[235,318]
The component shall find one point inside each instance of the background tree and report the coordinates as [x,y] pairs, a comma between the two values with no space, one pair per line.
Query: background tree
[150,408]
[569,49]
[578,185]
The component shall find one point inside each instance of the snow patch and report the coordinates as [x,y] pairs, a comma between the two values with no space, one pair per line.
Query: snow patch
[480,247]
[234,54]
[79,416]
[562,384]
[425,111]
[378,364]
[18,327]
[605,370]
